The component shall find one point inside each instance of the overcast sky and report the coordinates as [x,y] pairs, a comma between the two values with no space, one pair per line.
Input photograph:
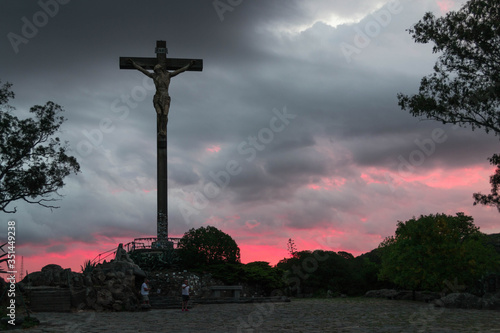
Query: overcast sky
[292,129]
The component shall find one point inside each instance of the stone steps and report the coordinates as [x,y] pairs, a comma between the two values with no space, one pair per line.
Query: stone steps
[164,302]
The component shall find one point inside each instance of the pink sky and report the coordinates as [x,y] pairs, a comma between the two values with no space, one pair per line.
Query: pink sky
[464,180]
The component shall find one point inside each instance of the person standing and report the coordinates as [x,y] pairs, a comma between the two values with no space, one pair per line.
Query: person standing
[145,292]
[185,295]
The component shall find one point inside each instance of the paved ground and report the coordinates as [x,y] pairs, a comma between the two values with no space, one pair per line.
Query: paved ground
[304,315]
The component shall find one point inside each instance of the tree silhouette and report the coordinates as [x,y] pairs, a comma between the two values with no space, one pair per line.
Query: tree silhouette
[33,163]
[465,86]
[207,245]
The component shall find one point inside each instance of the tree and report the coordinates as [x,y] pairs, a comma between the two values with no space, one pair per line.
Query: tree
[207,245]
[428,252]
[317,272]
[292,249]
[33,163]
[465,87]
[262,275]
[492,199]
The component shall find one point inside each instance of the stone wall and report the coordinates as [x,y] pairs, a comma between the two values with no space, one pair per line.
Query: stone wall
[110,286]
[113,286]
[53,289]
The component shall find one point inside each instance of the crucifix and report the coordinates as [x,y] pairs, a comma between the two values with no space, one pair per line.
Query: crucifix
[163,70]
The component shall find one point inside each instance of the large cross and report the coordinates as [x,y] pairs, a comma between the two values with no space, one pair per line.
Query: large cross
[161,77]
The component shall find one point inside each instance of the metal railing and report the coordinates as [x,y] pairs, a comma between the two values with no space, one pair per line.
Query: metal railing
[148,243]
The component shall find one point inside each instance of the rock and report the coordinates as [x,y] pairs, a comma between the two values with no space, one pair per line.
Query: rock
[491,301]
[115,287]
[460,300]
[50,275]
[139,272]
[104,298]
[110,286]
[90,297]
[98,277]
[51,268]
[87,280]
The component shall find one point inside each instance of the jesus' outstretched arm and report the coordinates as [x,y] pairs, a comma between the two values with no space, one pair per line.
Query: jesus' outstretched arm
[136,66]
[183,69]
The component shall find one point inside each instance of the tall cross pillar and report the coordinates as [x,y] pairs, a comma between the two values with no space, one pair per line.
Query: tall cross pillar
[161,77]
[161,166]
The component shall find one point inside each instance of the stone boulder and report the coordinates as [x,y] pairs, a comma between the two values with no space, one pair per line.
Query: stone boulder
[54,276]
[490,301]
[114,286]
[460,300]
[110,286]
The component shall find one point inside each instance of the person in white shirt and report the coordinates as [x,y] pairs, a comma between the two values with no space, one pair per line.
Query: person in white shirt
[145,292]
[185,295]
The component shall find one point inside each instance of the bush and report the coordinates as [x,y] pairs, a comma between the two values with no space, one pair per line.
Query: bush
[207,246]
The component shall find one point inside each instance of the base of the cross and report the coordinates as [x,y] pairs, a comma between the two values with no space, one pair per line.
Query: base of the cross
[162,195]
[162,230]
[168,245]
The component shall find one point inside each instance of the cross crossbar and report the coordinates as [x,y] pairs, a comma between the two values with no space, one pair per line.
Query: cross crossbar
[172,63]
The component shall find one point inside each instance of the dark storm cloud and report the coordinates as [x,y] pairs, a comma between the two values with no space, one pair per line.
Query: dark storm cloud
[61,248]
[183,175]
[334,166]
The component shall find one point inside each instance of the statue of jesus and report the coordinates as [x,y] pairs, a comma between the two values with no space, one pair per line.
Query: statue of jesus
[161,101]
